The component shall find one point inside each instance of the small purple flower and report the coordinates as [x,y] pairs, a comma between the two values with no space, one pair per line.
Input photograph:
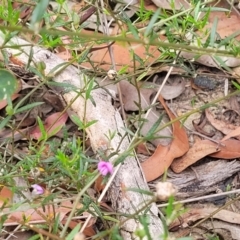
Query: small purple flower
[105,168]
[37,189]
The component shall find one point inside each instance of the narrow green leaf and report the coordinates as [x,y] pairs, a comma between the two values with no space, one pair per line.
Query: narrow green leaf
[214,9]
[132,29]
[73,232]
[28,106]
[42,129]
[142,191]
[222,63]
[38,12]
[196,11]
[236,85]
[108,218]
[4,122]
[35,237]
[90,123]
[154,127]
[121,158]
[229,38]
[213,32]
[151,23]
[89,89]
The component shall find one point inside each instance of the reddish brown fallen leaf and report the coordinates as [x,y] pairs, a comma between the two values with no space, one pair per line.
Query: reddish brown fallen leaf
[231,150]
[199,150]
[195,214]
[52,125]
[88,231]
[122,55]
[3,103]
[99,185]
[162,158]
[38,215]
[227,23]
[16,61]
[5,196]
[234,133]
[142,149]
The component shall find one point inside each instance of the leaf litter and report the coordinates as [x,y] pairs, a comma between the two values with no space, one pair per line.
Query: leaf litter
[178,147]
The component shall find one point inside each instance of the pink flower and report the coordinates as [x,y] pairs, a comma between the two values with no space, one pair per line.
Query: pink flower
[37,189]
[105,168]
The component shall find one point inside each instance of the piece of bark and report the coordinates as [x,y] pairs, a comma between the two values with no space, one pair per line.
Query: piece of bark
[108,119]
[203,179]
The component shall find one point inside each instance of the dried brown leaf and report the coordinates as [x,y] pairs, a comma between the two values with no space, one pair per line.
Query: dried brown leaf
[52,125]
[222,126]
[229,150]
[199,150]
[162,158]
[232,134]
[130,96]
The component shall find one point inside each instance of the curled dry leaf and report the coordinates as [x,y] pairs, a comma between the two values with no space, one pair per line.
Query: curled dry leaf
[199,150]
[162,158]
[222,126]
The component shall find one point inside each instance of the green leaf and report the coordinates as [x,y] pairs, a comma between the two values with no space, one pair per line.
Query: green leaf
[35,237]
[142,191]
[38,12]
[8,84]
[151,23]
[73,232]
[214,9]
[89,88]
[41,127]
[28,106]
[196,11]
[229,38]
[213,32]
[236,85]
[4,122]
[154,127]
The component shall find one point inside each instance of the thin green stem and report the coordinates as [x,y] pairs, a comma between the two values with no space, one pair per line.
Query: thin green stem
[76,202]
[96,36]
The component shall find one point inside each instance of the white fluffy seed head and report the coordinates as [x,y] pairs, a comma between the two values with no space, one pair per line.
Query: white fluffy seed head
[79,236]
[164,190]
[111,74]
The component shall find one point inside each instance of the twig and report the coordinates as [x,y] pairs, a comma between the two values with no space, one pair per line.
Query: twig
[201,198]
